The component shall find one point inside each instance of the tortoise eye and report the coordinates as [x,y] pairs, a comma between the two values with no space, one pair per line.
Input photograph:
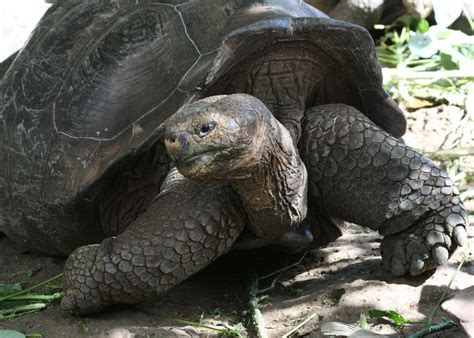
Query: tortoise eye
[206,129]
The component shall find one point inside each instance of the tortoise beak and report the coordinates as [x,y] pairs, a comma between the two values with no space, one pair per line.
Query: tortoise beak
[178,145]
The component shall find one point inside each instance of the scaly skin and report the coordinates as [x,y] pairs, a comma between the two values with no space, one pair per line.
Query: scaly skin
[188,226]
[360,173]
[237,140]
[357,172]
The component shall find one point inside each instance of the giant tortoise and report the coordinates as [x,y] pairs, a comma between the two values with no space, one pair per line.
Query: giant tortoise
[273,114]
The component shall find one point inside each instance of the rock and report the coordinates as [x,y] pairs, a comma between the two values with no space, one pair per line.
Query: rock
[323,5]
[461,306]
[362,12]
[419,8]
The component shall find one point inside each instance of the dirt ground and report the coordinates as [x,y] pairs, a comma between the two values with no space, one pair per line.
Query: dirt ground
[336,283]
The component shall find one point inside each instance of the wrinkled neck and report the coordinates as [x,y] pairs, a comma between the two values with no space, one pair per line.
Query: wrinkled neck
[274,196]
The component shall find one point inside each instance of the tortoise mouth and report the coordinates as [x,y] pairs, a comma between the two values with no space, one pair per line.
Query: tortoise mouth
[200,164]
[208,164]
[194,158]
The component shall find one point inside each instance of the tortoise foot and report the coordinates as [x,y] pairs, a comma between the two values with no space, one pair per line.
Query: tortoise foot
[82,292]
[187,226]
[361,174]
[426,245]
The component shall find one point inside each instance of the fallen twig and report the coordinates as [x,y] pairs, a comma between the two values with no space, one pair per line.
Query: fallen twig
[283,269]
[300,325]
[396,73]
[226,331]
[451,153]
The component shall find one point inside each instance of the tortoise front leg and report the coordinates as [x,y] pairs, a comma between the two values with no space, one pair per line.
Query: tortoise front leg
[361,174]
[188,226]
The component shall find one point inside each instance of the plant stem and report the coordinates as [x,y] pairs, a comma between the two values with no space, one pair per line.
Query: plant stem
[22,292]
[284,268]
[432,329]
[38,298]
[14,315]
[429,322]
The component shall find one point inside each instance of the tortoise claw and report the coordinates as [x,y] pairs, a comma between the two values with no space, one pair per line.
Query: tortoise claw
[440,254]
[424,246]
[460,235]
[417,265]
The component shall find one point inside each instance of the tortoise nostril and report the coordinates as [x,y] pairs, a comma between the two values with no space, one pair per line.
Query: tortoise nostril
[177,142]
[171,138]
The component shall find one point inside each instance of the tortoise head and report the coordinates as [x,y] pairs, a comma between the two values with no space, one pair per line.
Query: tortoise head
[217,138]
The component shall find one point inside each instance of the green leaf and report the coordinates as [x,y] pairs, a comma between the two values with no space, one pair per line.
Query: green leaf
[447,62]
[406,19]
[422,45]
[467,50]
[33,297]
[446,12]
[85,327]
[11,334]
[17,311]
[423,26]
[391,315]
[7,289]
[25,291]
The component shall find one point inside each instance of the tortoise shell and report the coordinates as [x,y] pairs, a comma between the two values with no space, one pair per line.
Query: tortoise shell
[88,95]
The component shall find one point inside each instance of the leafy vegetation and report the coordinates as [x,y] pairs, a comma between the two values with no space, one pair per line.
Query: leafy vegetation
[16,301]
[391,315]
[424,64]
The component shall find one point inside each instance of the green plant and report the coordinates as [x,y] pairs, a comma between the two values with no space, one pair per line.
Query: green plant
[16,301]
[432,63]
